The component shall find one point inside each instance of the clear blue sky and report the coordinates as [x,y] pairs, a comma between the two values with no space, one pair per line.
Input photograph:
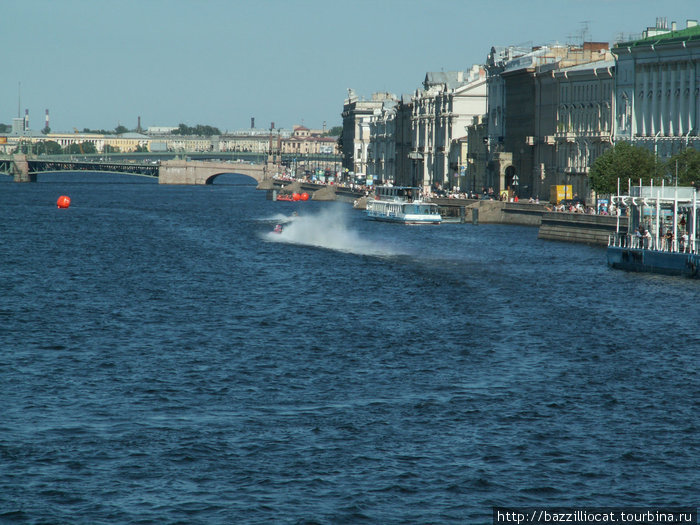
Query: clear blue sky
[99,63]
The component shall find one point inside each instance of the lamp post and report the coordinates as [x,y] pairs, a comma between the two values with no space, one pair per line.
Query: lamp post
[656,151]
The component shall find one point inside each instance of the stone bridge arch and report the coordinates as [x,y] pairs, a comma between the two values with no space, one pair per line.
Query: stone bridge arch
[203,172]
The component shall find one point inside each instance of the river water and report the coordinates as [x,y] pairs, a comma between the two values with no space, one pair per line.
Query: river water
[167,359]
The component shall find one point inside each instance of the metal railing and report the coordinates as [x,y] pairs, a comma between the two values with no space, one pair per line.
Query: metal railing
[636,242]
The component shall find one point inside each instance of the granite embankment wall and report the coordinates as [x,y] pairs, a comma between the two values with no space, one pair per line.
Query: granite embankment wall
[491,212]
[555,226]
[318,192]
[576,227]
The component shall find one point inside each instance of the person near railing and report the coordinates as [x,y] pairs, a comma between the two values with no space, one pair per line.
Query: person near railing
[683,242]
[669,241]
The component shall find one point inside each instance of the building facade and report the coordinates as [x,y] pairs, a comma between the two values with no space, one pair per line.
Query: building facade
[357,115]
[441,112]
[657,89]
[584,122]
[535,139]
[405,170]
[474,174]
[381,154]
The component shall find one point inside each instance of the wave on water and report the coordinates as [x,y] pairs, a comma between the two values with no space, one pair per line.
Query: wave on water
[328,229]
[279,218]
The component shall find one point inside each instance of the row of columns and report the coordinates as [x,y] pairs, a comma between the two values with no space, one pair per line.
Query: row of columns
[584,119]
[669,99]
[435,165]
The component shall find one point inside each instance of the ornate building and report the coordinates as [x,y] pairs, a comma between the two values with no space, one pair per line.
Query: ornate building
[517,65]
[306,141]
[402,138]
[548,115]
[357,115]
[657,90]
[442,110]
[584,121]
[381,154]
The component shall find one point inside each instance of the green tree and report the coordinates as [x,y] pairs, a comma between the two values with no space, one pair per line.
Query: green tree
[120,129]
[335,131]
[79,149]
[110,149]
[199,129]
[688,163]
[46,130]
[339,142]
[48,147]
[5,128]
[623,161]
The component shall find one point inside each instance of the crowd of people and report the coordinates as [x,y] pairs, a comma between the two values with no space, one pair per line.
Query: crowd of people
[643,237]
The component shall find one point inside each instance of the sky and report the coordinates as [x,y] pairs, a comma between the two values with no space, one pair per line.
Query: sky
[98,64]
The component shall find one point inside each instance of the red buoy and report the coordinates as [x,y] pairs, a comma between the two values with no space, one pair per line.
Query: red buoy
[63,201]
[296,196]
[305,196]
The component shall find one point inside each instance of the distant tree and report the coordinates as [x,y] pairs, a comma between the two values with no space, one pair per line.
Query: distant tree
[335,131]
[120,129]
[623,161]
[199,129]
[97,131]
[89,147]
[5,128]
[78,149]
[141,149]
[339,142]
[688,164]
[46,130]
[110,149]
[48,147]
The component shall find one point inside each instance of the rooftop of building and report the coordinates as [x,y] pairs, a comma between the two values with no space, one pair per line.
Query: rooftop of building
[663,36]
[588,66]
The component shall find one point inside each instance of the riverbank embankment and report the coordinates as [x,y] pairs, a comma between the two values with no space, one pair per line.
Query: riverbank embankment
[555,226]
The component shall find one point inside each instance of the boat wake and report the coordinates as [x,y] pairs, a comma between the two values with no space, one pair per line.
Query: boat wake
[328,229]
[279,218]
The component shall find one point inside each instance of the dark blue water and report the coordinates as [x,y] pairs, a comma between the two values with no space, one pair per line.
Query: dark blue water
[167,359]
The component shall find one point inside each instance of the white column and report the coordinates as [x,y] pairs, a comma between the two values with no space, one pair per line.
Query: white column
[690,101]
[663,105]
[681,112]
[655,81]
[672,110]
[695,112]
[648,117]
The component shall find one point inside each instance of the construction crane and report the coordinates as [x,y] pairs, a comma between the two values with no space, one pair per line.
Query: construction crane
[80,145]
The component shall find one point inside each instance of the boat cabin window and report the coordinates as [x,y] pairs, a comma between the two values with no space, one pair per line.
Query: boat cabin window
[402,193]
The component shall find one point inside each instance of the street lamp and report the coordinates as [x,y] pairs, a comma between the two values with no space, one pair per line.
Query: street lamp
[656,151]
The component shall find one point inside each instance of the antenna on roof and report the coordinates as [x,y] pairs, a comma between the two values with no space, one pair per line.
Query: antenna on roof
[584,30]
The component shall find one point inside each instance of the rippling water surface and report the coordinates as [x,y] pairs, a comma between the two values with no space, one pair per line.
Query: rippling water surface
[167,359]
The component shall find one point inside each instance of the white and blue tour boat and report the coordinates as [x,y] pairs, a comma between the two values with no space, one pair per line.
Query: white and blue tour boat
[662,231]
[402,204]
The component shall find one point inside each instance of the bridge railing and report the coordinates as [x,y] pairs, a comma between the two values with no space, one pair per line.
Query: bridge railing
[38,166]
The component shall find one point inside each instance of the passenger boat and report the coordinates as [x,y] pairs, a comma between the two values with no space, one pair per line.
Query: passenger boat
[662,235]
[402,204]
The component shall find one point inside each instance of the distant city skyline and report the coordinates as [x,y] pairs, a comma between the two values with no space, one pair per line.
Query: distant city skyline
[98,65]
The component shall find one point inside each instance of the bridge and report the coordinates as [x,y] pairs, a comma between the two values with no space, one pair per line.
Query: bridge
[204,172]
[25,169]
